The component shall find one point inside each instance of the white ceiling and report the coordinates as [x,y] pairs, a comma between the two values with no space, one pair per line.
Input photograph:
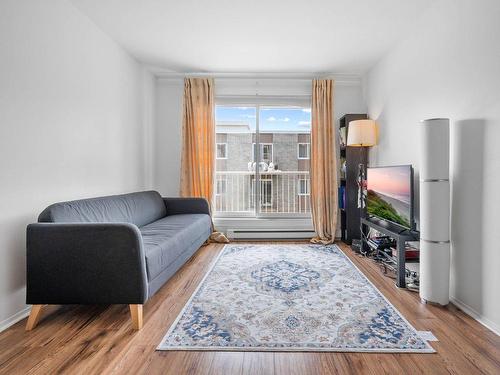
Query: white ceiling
[307,36]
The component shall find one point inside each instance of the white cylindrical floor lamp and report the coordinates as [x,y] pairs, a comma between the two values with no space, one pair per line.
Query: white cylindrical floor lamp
[435,211]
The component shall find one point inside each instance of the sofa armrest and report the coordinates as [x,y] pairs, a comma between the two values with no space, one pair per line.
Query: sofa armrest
[177,206]
[85,263]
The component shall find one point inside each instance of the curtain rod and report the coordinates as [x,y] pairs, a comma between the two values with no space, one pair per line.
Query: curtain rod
[335,76]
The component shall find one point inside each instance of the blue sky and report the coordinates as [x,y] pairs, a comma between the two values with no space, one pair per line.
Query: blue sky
[271,119]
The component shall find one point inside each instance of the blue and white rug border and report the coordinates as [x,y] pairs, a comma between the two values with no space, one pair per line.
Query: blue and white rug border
[429,348]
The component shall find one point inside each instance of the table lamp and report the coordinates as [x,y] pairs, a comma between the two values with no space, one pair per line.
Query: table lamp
[363,134]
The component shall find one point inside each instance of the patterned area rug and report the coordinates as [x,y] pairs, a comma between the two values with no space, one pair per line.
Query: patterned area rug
[289,298]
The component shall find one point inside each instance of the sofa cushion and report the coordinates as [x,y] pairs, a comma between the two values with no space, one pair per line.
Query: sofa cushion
[165,240]
[135,208]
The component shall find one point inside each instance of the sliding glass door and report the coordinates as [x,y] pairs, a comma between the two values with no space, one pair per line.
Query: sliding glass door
[262,161]
[236,129]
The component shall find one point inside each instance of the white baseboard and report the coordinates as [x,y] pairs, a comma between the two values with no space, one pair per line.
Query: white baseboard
[276,224]
[4,324]
[262,234]
[492,326]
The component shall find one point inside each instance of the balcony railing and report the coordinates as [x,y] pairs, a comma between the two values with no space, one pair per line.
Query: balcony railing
[281,192]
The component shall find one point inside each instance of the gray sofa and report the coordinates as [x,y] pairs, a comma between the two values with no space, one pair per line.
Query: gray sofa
[111,250]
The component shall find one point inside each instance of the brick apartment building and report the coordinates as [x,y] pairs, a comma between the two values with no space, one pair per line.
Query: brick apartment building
[284,171]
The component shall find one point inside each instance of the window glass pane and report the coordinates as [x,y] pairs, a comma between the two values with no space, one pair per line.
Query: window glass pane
[303,150]
[235,136]
[266,188]
[267,153]
[284,135]
[303,186]
[268,159]
[221,150]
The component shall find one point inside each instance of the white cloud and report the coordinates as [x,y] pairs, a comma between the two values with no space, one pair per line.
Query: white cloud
[273,119]
[304,122]
[307,110]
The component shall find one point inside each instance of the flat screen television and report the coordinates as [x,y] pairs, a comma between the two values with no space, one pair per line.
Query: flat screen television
[390,194]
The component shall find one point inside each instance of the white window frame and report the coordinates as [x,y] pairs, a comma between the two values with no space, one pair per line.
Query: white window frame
[217,153]
[261,150]
[308,148]
[307,185]
[230,97]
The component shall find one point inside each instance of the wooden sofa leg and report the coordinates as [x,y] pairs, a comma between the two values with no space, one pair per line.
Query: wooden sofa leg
[136,314]
[35,314]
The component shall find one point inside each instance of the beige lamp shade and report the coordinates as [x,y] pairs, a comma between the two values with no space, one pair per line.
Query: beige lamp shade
[362,133]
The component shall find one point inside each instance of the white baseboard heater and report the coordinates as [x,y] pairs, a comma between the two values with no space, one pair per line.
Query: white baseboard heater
[268,234]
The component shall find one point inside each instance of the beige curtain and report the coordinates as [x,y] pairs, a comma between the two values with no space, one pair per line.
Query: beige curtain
[198,142]
[323,163]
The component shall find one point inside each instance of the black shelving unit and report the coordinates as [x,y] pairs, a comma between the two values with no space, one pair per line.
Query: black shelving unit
[350,216]
[400,235]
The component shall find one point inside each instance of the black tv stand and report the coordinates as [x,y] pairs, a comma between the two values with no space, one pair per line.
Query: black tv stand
[393,231]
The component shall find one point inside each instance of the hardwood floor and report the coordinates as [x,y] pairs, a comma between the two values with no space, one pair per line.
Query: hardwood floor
[101,340]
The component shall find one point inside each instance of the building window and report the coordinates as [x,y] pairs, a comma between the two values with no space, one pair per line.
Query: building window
[221,187]
[221,150]
[266,152]
[266,192]
[304,186]
[303,150]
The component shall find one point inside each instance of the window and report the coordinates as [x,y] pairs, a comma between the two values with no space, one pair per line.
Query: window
[258,132]
[266,195]
[221,187]
[266,192]
[221,150]
[303,186]
[303,150]
[266,152]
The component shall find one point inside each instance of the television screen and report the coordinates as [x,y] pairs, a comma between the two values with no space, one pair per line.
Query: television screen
[390,194]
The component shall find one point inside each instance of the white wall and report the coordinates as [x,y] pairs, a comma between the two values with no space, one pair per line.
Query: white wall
[148,111]
[168,120]
[167,136]
[450,67]
[71,123]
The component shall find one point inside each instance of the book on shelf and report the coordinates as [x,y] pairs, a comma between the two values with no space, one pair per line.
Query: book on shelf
[342,136]
[411,253]
[343,167]
[341,196]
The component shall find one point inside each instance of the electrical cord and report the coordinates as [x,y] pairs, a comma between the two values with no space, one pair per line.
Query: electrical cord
[381,256]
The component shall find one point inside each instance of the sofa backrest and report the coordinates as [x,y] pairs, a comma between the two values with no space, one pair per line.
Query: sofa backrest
[136,208]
